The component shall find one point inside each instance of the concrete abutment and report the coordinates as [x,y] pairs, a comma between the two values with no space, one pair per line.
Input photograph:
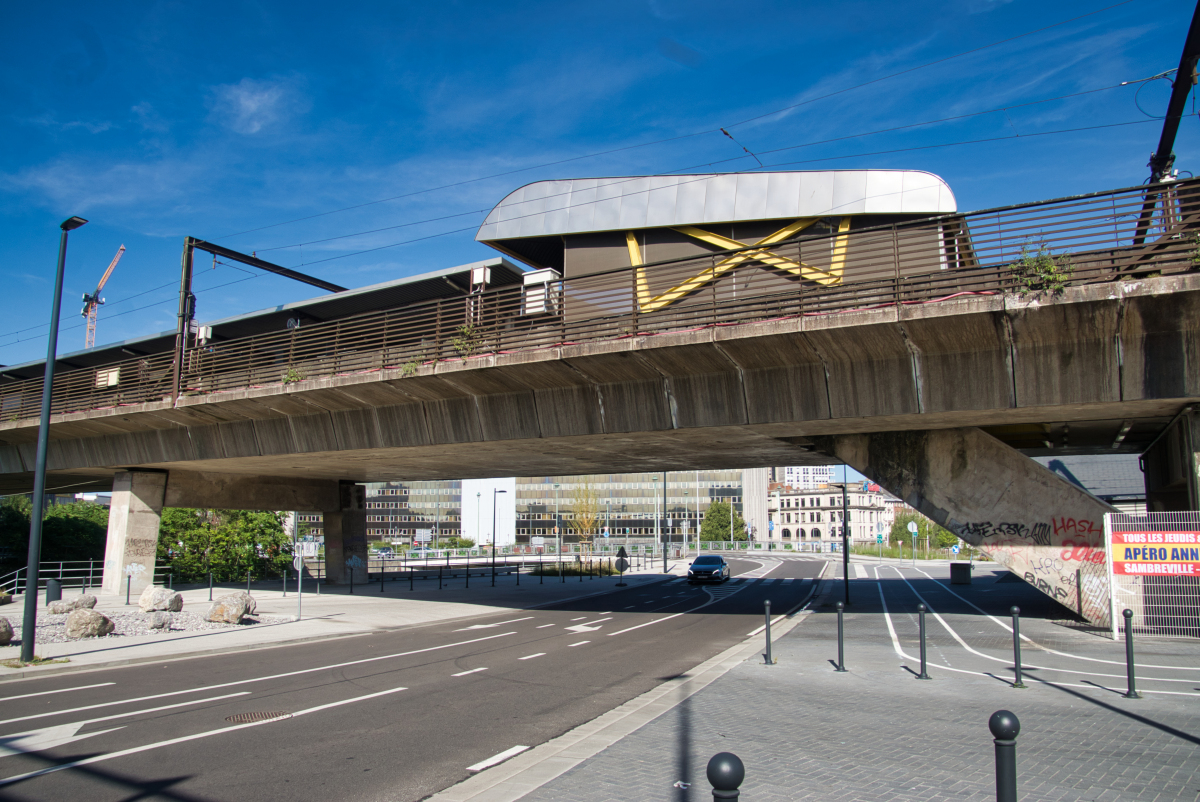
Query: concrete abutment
[1038,525]
[133,520]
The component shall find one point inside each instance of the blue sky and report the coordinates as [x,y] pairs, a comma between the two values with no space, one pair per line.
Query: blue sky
[160,120]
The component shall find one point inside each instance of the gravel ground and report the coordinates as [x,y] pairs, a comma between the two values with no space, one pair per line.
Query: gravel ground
[52,628]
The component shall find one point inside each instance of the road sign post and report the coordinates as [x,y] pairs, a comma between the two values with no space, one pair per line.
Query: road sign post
[298,564]
[622,565]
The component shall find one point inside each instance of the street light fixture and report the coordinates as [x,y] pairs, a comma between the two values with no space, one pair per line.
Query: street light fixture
[495,492]
[29,621]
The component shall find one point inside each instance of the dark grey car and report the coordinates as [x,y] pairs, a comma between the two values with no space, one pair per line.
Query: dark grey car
[708,568]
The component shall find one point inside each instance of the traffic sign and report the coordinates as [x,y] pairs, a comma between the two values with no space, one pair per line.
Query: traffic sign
[537,540]
[954,548]
[298,562]
[621,564]
[879,538]
[424,535]
[912,527]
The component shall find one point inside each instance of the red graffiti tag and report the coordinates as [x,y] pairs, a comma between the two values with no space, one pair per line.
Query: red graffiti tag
[1076,526]
[1083,552]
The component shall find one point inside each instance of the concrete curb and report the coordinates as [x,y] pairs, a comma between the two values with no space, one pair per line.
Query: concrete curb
[530,770]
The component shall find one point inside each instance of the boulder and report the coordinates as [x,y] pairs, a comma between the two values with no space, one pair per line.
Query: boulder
[227,610]
[251,604]
[153,598]
[85,602]
[6,632]
[84,623]
[160,619]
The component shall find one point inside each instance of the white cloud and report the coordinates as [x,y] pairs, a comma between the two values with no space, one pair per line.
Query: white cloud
[253,105]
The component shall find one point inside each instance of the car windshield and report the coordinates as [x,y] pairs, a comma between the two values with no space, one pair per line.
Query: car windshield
[707,561]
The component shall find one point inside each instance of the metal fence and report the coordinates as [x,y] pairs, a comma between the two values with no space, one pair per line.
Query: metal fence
[83,575]
[1031,248]
[1154,571]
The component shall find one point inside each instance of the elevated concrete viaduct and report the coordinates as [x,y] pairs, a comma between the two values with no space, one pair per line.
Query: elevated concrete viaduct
[935,355]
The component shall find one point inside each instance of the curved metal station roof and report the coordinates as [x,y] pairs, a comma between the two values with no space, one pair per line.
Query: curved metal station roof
[585,205]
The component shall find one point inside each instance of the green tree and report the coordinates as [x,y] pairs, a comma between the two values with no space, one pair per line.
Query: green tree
[229,543]
[716,522]
[938,538]
[72,531]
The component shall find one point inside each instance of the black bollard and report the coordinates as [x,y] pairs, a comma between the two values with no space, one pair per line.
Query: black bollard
[285,582]
[210,585]
[921,618]
[468,570]
[382,569]
[725,773]
[1131,693]
[841,663]
[169,578]
[541,570]
[410,576]
[247,581]
[439,577]
[351,572]
[767,611]
[1005,728]
[128,584]
[1016,617]
[519,568]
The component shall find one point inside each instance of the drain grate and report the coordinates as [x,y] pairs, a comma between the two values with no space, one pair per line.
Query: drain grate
[250,718]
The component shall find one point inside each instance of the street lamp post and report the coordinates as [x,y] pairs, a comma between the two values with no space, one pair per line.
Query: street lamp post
[495,492]
[478,520]
[29,621]
[557,535]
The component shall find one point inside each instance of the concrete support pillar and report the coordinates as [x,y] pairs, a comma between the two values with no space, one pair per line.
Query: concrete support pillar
[346,536]
[1172,467]
[133,519]
[1041,527]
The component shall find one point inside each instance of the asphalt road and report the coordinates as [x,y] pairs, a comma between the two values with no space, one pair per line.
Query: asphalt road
[394,715]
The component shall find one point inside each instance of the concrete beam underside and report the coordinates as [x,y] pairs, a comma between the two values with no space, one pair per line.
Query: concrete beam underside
[1025,517]
[730,397]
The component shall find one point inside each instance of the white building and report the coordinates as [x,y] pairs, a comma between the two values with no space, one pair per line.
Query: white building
[813,517]
[804,477]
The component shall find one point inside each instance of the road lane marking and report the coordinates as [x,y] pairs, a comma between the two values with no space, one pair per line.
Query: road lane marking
[588,626]
[500,758]
[630,607]
[606,612]
[860,572]
[20,743]
[171,742]
[580,618]
[263,679]
[464,673]
[578,644]
[531,656]
[543,626]
[61,690]
[497,624]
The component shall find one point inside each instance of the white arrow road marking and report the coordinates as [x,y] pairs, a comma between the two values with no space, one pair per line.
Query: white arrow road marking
[490,626]
[184,739]
[587,626]
[47,738]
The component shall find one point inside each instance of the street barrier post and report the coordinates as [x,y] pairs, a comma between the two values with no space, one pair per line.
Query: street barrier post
[1005,728]
[841,663]
[210,585]
[725,773]
[1131,680]
[767,612]
[921,618]
[1016,618]
[128,585]
[439,577]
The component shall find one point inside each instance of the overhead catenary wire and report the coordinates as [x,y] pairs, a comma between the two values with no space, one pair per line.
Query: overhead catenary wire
[706,131]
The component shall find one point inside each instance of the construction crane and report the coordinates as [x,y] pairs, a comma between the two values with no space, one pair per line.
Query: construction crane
[92,302]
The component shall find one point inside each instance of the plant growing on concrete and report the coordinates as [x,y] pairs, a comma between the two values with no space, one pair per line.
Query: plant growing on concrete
[1194,257]
[1041,271]
[293,375]
[409,368]
[468,340]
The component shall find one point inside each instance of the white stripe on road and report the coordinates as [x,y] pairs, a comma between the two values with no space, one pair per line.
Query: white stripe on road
[61,690]
[860,572]
[464,673]
[497,624]
[531,656]
[184,739]
[579,644]
[580,618]
[500,758]
[543,626]
[262,679]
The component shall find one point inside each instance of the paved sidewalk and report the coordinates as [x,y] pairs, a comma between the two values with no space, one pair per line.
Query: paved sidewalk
[332,613]
[876,733]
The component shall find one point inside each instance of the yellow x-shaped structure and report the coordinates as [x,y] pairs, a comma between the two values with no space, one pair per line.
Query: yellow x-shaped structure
[832,276]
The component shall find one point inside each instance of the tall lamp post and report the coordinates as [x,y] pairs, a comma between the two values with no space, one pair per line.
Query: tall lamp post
[495,492]
[29,621]
[557,534]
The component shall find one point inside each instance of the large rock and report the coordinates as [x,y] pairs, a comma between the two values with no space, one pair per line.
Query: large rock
[227,610]
[160,619]
[153,598]
[85,602]
[251,604]
[84,623]
[6,632]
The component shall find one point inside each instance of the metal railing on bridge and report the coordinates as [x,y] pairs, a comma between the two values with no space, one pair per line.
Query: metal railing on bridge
[83,575]
[1037,247]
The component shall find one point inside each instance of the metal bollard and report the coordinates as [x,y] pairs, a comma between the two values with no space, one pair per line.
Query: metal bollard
[1016,617]
[725,773]
[541,570]
[284,583]
[519,568]
[381,577]
[1005,728]
[841,663]
[468,571]
[210,585]
[351,572]
[128,584]
[247,581]
[439,577]
[169,578]
[767,611]
[1131,680]
[921,618]
[410,575]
